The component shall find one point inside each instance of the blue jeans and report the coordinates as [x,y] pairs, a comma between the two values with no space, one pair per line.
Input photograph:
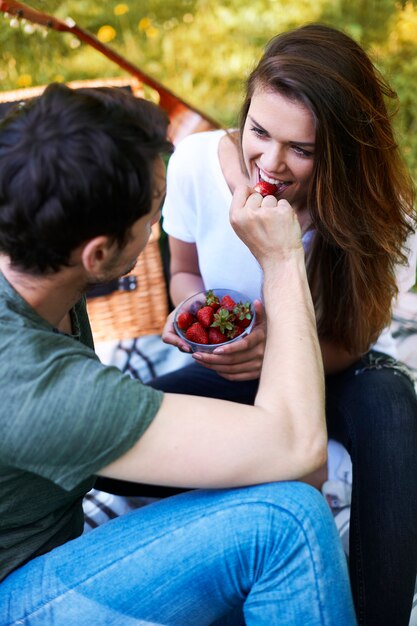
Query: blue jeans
[269,553]
[372,411]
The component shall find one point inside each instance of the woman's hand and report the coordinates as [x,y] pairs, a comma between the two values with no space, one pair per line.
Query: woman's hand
[241,360]
[170,336]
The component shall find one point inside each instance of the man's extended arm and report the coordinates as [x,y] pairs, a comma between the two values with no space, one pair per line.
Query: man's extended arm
[201,442]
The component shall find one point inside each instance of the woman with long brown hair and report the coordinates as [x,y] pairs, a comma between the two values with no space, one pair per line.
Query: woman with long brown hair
[316,126]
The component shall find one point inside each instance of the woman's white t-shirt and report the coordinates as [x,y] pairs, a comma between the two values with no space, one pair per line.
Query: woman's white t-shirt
[196,210]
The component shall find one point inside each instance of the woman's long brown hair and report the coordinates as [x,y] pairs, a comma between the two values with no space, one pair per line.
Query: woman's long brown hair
[361,195]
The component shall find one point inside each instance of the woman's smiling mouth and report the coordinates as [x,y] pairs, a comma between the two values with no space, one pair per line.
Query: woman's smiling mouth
[281,185]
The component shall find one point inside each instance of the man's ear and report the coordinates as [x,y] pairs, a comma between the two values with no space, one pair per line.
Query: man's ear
[96,254]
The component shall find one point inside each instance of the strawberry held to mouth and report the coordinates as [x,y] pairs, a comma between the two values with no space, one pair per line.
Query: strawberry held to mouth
[270,186]
[266,189]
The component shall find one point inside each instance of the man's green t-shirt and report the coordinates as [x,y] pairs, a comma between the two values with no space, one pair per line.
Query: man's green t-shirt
[63,417]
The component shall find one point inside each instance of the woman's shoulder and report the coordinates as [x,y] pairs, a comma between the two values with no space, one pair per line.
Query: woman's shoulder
[198,141]
[195,152]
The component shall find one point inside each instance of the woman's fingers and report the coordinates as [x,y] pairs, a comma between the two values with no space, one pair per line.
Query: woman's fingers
[169,335]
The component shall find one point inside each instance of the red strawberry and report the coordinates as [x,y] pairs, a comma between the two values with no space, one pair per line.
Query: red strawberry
[237,330]
[227,303]
[243,323]
[197,333]
[243,314]
[266,189]
[223,319]
[215,336]
[205,316]
[184,320]
[212,300]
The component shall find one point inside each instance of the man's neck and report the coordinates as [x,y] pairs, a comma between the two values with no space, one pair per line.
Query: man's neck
[51,296]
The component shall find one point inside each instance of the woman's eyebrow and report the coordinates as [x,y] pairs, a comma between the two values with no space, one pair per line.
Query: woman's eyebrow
[310,144]
[255,123]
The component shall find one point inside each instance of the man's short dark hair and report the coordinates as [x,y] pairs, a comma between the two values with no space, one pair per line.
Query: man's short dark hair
[75,164]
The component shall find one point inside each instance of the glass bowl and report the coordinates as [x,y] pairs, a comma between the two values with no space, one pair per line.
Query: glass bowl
[194,303]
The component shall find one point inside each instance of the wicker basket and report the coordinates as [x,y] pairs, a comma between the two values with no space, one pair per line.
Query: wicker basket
[24,93]
[131,314]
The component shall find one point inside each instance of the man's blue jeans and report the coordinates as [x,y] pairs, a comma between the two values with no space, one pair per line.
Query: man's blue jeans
[202,557]
[372,410]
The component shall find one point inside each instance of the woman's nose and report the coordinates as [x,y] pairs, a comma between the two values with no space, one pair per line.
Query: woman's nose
[273,159]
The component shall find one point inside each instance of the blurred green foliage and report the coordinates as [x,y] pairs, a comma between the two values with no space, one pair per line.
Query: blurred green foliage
[203,49]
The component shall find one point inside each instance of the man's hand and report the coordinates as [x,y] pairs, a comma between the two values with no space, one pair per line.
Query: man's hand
[213,443]
[269,227]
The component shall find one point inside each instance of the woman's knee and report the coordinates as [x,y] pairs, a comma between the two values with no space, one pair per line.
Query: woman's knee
[372,397]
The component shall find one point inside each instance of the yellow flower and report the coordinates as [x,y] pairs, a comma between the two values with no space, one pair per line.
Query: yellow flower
[152,32]
[144,23]
[24,80]
[121,9]
[106,33]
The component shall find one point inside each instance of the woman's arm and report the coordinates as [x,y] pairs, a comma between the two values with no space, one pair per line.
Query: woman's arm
[185,277]
[239,361]
[243,359]
[185,281]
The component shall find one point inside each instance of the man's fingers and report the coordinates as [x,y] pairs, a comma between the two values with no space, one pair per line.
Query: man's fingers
[240,195]
[254,201]
[269,201]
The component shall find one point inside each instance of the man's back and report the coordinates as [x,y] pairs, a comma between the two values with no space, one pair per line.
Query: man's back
[45,418]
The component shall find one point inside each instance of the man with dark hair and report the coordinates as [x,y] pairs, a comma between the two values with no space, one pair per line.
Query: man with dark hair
[81,182]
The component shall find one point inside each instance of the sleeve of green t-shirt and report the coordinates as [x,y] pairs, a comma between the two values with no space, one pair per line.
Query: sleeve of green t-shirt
[75,416]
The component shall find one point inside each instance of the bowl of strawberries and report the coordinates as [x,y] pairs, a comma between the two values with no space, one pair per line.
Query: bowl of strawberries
[213,318]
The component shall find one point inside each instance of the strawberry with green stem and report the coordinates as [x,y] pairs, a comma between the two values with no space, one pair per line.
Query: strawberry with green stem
[212,300]
[243,314]
[223,320]
[215,336]
[237,330]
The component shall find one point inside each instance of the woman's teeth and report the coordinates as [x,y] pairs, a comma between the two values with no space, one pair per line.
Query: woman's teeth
[272,181]
[267,179]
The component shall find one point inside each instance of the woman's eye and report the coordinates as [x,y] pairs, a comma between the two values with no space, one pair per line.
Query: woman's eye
[302,151]
[259,132]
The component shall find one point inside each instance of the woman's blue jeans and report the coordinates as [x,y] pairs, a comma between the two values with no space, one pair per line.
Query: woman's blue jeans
[372,411]
[270,553]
